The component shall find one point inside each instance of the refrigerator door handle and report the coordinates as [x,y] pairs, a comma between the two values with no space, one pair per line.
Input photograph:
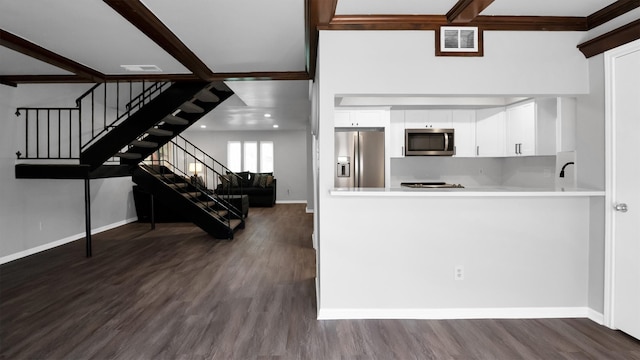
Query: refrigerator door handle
[355,161]
[359,160]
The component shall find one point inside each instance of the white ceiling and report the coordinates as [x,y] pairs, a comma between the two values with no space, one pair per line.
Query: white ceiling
[227,35]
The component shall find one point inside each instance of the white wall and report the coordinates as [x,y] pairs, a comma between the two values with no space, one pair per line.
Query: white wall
[590,154]
[290,156]
[38,214]
[403,63]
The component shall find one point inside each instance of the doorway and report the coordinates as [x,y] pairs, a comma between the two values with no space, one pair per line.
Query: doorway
[622,224]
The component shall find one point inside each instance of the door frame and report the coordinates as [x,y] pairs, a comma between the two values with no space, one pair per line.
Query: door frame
[610,167]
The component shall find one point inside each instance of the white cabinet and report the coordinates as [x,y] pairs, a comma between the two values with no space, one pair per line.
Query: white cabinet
[361,118]
[490,132]
[531,128]
[464,125]
[396,130]
[420,119]
[521,121]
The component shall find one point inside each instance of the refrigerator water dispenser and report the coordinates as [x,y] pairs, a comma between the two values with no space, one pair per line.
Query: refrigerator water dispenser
[344,163]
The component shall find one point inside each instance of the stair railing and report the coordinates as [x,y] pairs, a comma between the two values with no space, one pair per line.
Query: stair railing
[62,133]
[174,158]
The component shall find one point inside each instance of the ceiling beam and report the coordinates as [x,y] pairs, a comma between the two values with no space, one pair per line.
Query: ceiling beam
[611,12]
[143,19]
[14,80]
[319,14]
[7,82]
[28,48]
[433,22]
[465,11]
[610,40]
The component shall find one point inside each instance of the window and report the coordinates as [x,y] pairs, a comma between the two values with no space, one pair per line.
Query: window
[234,156]
[250,156]
[244,156]
[266,156]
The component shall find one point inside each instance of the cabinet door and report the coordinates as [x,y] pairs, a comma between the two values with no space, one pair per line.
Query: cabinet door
[342,118]
[490,132]
[440,119]
[521,129]
[464,122]
[397,134]
[420,119]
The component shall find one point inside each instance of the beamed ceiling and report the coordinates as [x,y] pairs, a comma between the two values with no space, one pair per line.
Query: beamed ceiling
[264,50]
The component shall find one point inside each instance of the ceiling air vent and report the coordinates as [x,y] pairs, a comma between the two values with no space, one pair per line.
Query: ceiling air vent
[144,68]
[459,41]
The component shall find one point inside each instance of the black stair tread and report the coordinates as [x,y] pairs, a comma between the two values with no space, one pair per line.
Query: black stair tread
[175,120]
[235,223]
[144,144]
[191,108]
[207,204]
[159,132]
[129,155]
[207,96]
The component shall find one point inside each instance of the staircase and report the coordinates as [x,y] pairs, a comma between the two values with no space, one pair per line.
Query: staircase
[205,209]
[75,143]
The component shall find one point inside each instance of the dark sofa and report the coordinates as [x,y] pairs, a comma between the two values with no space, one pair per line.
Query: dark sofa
[260,187]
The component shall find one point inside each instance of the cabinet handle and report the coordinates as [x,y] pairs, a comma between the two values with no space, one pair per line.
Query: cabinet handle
[402,150]
[478,150]
[516,150]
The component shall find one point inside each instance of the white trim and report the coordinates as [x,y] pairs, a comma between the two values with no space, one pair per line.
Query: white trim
[596,317]
[438,314]
[66,240]
[291,202]
[309,211]
[609,116]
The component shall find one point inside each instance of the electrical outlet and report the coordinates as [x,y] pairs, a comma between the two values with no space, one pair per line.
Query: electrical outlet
[459,272]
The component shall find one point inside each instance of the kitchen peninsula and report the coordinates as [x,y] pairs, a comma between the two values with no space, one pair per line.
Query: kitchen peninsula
[458,253]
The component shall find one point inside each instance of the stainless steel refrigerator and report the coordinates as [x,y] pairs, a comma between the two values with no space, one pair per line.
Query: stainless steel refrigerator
[359,158]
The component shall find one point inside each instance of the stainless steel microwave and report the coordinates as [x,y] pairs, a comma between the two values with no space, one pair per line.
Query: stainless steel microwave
[429,142]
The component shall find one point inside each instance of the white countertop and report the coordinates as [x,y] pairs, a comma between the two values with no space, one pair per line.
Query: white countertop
[480,191]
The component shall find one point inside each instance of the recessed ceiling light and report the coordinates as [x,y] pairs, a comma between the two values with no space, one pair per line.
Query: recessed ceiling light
[146,68]
[275,126]
[267,115]
[203,126]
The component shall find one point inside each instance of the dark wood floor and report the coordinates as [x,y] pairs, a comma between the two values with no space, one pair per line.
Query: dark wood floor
[176,293]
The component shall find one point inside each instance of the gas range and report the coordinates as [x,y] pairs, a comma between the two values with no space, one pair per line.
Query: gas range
[431,185]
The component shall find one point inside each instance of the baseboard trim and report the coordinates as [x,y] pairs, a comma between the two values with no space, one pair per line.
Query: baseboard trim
[291,201]
[51,245]
[440,314]
[596,317]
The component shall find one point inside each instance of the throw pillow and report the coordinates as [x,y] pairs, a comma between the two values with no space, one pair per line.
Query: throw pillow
[263,181]
[224,180]
[269,181]
[256,180]
[234,180]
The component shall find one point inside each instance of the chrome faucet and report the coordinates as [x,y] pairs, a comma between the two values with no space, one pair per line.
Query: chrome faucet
[564,166]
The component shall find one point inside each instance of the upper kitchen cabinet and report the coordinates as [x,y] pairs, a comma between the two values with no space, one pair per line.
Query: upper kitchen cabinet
[490,132]
[396,129]
[464,125]
[377,118]
[420,119]
[531,128]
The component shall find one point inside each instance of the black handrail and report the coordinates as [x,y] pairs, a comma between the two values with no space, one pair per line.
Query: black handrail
[81,126]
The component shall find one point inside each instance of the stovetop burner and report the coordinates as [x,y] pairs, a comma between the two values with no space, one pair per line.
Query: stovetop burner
[431,185]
